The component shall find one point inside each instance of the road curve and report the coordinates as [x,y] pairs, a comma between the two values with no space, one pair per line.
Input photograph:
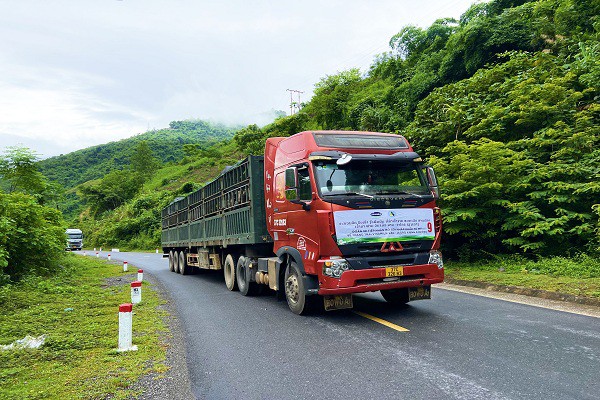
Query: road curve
[458,346]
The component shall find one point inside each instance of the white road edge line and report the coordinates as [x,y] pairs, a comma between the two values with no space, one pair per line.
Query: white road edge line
[573,308]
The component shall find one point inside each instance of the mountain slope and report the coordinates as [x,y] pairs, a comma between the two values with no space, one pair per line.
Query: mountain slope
[94,162]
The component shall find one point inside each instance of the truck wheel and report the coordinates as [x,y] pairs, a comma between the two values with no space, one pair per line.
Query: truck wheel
[229,272]
[395,296]
[176,261]
[171,261]
[183,267]
[247,288]
[295,292]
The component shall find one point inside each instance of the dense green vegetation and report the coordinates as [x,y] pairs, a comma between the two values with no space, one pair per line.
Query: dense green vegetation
[505,103]
[29,226]
[76,310]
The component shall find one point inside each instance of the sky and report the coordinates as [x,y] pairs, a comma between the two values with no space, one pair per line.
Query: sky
[84,72]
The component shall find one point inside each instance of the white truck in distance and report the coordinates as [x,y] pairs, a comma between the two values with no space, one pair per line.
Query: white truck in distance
[74,239]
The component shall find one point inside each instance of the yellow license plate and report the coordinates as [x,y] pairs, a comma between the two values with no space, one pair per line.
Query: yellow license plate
[338,302]
[394,271]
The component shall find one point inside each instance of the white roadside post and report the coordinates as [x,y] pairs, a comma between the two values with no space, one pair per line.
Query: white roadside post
[140,275]
[97,255]
[84,253]
[156,251]
[108,257]
[124,266]
[125,328]
[136,292]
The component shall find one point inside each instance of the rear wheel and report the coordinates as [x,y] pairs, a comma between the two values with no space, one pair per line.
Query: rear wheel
[295,292]
[247,288]
[229,268]
[183,267]
[395,296]
[171,261]
[175,261]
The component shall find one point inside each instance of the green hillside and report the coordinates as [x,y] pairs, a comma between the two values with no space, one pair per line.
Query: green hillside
[166,144]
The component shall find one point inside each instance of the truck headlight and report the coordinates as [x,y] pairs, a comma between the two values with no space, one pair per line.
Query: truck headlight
[335,268]
[435,257]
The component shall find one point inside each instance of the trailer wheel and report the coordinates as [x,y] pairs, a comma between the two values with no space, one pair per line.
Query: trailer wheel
[247,288]
[176,261]
[395,296]
[183,267]
[171,261]
[229,272]
[295,292]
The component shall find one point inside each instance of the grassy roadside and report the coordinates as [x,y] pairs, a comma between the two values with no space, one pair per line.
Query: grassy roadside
[78,311]
[578,276]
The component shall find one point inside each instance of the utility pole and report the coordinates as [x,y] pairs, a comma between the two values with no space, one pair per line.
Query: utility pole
[292,103]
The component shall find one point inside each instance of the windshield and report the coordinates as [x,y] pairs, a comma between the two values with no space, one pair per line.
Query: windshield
[368,178]
[75,236]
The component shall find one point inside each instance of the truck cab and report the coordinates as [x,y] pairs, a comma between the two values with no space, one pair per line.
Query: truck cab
[353,212]
[74,239]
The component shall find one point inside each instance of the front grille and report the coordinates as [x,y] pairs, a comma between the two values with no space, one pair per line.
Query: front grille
[378,281]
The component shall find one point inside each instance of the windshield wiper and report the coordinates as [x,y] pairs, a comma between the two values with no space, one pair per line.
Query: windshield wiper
[348,194]
[400,192]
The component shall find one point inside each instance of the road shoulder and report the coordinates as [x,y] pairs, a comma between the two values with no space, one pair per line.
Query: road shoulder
[559,305]
[174,384]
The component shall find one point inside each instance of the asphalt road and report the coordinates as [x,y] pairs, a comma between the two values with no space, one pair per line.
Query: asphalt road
[458,346]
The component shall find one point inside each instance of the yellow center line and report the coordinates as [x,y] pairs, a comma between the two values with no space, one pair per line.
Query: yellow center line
[382,321]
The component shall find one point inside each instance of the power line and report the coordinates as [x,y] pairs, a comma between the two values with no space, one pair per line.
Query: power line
[294,104]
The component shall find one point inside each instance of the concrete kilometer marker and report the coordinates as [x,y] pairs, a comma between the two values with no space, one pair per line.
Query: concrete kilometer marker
[136,292]
[124,266]
[140,276]
[126,328]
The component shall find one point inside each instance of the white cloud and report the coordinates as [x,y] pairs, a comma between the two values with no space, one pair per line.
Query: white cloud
[74,74]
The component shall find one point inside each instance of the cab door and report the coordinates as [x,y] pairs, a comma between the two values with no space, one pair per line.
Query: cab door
[301,219]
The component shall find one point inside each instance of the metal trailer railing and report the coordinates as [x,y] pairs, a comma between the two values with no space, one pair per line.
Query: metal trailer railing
[228,210]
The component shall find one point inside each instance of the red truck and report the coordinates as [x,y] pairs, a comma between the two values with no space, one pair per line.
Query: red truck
[323,215]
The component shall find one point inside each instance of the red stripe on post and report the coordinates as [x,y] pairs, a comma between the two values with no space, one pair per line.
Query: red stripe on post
[141,271]
[136,284]
[127,307]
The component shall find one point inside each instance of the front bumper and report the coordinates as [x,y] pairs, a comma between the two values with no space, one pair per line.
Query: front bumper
[374,279]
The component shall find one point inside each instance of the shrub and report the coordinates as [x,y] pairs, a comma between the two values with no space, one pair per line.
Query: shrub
[32,237]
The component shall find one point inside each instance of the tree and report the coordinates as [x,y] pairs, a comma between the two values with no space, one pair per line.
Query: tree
[19,172]
[142,160]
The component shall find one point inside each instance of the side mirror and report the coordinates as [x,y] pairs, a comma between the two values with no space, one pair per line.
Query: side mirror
[291,178]
[291,188]
[433,183]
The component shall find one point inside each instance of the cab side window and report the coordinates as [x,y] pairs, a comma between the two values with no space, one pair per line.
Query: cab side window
[304,188]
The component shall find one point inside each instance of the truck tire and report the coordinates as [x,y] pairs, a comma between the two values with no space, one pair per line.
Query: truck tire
[183,267]
[171,261]
[395,296]
[247,288]
[295,292]
[229,267]
[176,261]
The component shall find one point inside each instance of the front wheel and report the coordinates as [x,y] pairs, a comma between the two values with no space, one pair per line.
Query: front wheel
[395,296]
[295,292]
